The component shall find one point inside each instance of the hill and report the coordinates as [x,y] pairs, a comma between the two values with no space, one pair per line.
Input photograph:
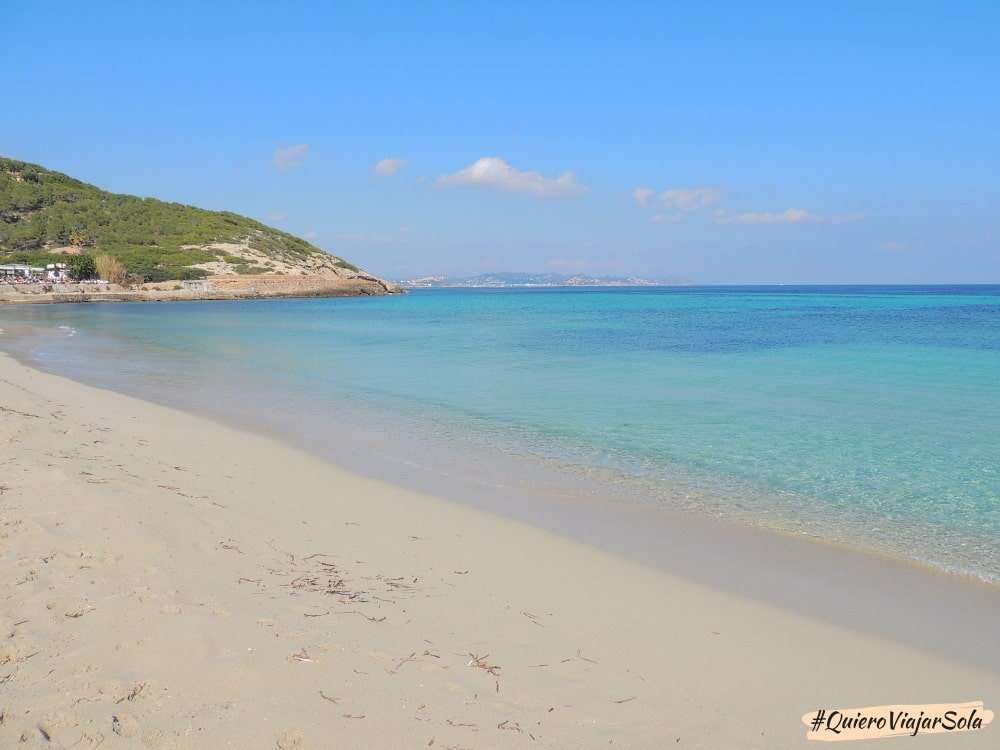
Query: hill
[45,213]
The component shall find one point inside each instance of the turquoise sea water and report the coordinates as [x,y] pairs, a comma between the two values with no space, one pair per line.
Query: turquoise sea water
[864,415]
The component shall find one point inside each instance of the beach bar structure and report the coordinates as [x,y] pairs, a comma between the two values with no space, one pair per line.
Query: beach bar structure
[19,270]
[56,272]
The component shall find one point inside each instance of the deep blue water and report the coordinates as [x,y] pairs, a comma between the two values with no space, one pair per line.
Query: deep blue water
[866,415]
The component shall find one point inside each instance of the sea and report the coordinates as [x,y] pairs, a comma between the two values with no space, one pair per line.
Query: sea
[861,416]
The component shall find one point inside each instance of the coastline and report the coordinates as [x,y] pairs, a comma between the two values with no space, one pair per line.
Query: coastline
[154,551]
[261,286]
[864,585]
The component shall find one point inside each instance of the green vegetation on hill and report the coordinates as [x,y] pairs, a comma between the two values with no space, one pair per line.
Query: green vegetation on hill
[41,209]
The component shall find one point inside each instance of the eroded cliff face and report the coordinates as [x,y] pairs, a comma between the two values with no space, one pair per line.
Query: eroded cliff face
[280,285]
[354,283]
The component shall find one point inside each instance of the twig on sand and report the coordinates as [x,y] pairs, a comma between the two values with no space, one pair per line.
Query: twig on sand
[353,716]
[134,693]
[8,410]
[480,662]
[326,697]
[316,614]
[626,700]
[581,657]
[367,617]
[302,656]
[411,657]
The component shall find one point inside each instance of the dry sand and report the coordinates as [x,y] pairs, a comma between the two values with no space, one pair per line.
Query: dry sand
[167,582]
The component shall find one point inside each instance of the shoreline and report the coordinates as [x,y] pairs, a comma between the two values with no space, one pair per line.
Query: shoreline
[774,566]
[429,465]
[262,286]
[234,588]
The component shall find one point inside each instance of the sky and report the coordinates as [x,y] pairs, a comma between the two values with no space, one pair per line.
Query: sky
[704,142]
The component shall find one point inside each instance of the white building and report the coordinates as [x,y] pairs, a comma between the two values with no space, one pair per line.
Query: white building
[19,270]
[56,272]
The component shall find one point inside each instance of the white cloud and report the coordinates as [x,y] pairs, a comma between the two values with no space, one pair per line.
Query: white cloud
[642,195]
[289,157]
[388,167]
[277,216]
[691,199]
[788,216]
[310,235]
[495,173]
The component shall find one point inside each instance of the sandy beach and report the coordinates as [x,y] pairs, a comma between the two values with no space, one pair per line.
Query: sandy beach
[168,582]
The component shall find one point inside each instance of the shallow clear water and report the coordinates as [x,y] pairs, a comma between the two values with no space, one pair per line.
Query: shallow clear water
[865,415]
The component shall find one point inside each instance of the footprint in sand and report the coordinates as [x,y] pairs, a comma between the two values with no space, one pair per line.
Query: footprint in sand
[125,725]
[291,739]
[71,608]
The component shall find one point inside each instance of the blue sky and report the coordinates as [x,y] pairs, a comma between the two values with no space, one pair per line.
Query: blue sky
[719,143]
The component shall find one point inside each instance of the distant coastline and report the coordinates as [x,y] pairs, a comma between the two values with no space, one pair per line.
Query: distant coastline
[521,280]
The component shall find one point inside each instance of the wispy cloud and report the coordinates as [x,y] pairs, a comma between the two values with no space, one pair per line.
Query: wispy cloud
[691,199]
[388,167]
[642,195]
[493,172]
[310,235]
[277,216]
[289,157]
[788,216]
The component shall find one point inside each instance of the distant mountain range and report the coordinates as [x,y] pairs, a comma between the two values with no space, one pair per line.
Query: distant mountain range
[502,280]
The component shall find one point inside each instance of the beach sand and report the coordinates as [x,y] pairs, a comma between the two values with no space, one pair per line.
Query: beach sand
[168,582]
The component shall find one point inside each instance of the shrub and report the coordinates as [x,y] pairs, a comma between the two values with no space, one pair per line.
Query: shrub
[245,269]
[82,267]
[110,268]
